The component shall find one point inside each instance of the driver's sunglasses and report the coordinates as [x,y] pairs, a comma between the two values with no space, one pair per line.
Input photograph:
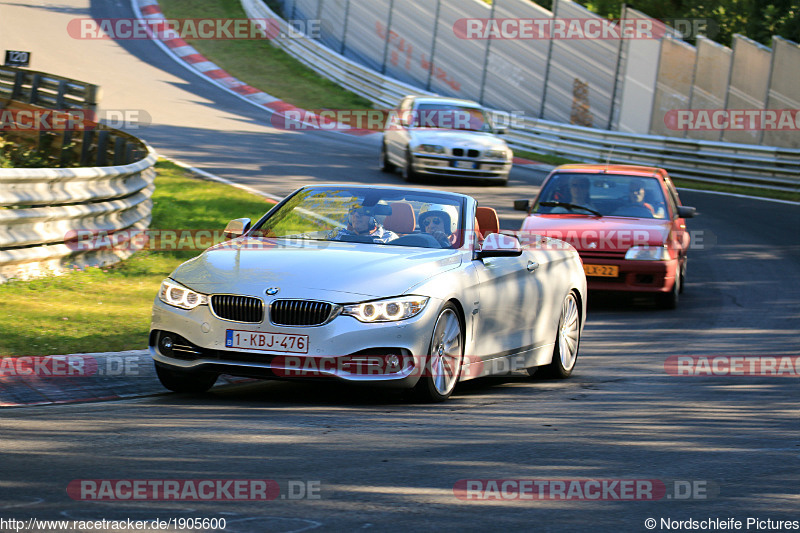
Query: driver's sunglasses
[432,220]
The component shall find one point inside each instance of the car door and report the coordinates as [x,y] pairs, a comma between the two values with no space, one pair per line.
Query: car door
[680,236]
[510,300]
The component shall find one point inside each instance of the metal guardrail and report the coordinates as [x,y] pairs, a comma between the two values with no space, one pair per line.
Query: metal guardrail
[716,162]
[708,161]
[43,209]
[47,90]
[68,137]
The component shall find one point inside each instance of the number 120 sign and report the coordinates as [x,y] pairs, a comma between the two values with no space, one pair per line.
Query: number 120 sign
[17,58]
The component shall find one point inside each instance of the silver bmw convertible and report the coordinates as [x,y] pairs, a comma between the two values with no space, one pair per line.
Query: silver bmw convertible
[400,287]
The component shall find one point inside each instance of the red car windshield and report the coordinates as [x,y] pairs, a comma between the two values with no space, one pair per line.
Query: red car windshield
[602,195]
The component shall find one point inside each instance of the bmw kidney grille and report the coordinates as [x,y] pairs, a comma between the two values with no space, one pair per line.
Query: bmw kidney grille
[300,312]
[238,308]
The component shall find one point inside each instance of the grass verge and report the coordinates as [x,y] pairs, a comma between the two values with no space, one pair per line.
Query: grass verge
[259,63]
[108,309]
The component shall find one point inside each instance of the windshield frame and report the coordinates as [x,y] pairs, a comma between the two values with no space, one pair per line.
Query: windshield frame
[370,196]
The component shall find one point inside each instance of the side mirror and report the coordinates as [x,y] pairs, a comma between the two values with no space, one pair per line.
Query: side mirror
[685,211]
[501,130]
[522,205]
[499,245]
[237,227]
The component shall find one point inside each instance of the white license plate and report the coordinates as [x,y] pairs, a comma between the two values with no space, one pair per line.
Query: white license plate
[463,164]
[266,341]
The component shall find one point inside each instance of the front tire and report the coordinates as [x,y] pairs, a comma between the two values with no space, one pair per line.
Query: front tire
[568,339]
[183,381]
[446,355]
[386,165]
[408,169]
[669,300]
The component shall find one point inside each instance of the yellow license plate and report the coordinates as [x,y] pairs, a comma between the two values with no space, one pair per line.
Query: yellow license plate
[603,271]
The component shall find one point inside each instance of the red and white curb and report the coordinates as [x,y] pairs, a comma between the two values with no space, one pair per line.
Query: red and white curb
[173,44]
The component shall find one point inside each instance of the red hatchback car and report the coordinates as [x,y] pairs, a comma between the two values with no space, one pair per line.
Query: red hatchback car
[626,222]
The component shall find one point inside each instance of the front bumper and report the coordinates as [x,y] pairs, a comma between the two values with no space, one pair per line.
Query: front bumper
[634,276]
[441,165]
[388,354]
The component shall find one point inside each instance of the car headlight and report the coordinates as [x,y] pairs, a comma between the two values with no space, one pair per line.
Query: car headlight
[431,148]
[177,295]
[390,310]
[497,154]
[647,253]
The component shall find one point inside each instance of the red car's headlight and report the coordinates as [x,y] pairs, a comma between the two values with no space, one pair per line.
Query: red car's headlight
[647,253]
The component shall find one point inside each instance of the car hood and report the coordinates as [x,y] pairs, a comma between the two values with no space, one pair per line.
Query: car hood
[457,138]
[321,270]
[601,234]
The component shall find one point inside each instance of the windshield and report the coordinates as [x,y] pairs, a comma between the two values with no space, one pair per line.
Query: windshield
[602,195]
[450,117]
[385,217]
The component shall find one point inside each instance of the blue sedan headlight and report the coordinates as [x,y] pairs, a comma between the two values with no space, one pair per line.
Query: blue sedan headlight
[390,310]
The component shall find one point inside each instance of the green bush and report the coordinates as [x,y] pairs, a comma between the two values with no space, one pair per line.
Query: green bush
[20,155]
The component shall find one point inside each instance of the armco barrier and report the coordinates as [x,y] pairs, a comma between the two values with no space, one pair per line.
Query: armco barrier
[41,208]
[716,162]
[46,90]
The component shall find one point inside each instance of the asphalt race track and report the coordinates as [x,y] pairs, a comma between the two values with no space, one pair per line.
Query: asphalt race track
[719,447]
